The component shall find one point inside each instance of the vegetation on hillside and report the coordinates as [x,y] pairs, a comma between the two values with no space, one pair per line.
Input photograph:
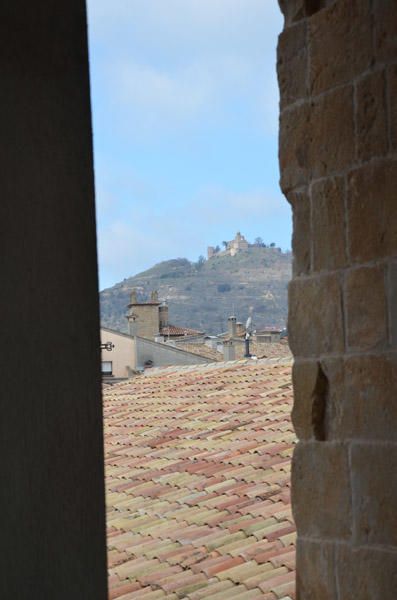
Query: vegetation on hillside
[203,294]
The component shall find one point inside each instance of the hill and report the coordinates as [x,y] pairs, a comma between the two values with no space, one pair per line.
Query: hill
[202,295]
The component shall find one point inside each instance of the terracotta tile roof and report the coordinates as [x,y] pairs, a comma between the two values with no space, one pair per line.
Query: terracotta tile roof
[174,330]
[197,477]
[202,350]
[265,350]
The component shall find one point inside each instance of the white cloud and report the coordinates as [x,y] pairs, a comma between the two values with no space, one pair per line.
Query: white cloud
[163,65]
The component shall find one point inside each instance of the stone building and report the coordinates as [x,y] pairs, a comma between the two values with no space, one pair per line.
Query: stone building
[337,70]
[133,353]
[239,244]
[151,318]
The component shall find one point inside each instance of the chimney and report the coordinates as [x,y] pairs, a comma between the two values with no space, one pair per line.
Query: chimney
[231,326]
[229,351]
[132,325]
[240,329]
[163,315]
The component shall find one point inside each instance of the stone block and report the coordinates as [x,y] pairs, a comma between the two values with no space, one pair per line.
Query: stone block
[294,146]
[315,570]
[292,64]
[304,377]
[372,214]
[392,101]
[307,381]
[328,219]
[374,492]
[315,316]
[363,399]
[331,133]
[321,499]
[340,39]
[371,116]
[334,371]
[365,573]
[366,309]
[293,10]
[301,235]
[316,139]
[385,20]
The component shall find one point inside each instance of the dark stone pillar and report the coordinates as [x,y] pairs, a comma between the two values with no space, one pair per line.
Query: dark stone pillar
[51,477]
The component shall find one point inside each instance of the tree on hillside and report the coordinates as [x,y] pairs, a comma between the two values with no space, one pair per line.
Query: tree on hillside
[200,261]
[217,249]
[272,245]
[224,244]
[258,241]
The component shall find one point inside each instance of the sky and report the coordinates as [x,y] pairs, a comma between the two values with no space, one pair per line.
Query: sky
[185,119]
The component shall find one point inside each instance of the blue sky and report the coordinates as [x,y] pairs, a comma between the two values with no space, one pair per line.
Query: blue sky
[185,116]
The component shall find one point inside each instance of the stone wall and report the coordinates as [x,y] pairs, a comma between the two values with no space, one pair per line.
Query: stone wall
[337,68]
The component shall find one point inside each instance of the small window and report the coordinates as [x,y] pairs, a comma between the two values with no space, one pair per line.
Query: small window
[107,368]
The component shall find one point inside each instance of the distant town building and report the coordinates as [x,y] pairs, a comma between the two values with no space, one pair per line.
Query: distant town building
[151,319]
[145,344]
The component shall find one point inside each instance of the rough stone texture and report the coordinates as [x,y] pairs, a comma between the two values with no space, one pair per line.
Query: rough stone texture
[316,139]
[385,21]
[328,222]
[319,329]
[321,503]
[292,64]
[294,147]
[304,376]
[52,496]
[338,141]
[371,116]
[367,404]
[366,574]
[331,132]
[372,215]
[374,494]
[341,43]
[300,203]
[315,564]
[366,311]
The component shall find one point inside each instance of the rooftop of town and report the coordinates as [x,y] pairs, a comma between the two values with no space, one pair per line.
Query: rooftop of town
[198,483]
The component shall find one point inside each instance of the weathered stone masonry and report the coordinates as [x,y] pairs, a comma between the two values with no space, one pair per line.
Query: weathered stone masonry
[337,67]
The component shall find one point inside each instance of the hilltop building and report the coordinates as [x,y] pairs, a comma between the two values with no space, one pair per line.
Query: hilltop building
[239,244]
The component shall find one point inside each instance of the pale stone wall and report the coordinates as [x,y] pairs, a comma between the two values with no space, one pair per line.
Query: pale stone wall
[164,355]
[131,353]
[337,67]
[123,355]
